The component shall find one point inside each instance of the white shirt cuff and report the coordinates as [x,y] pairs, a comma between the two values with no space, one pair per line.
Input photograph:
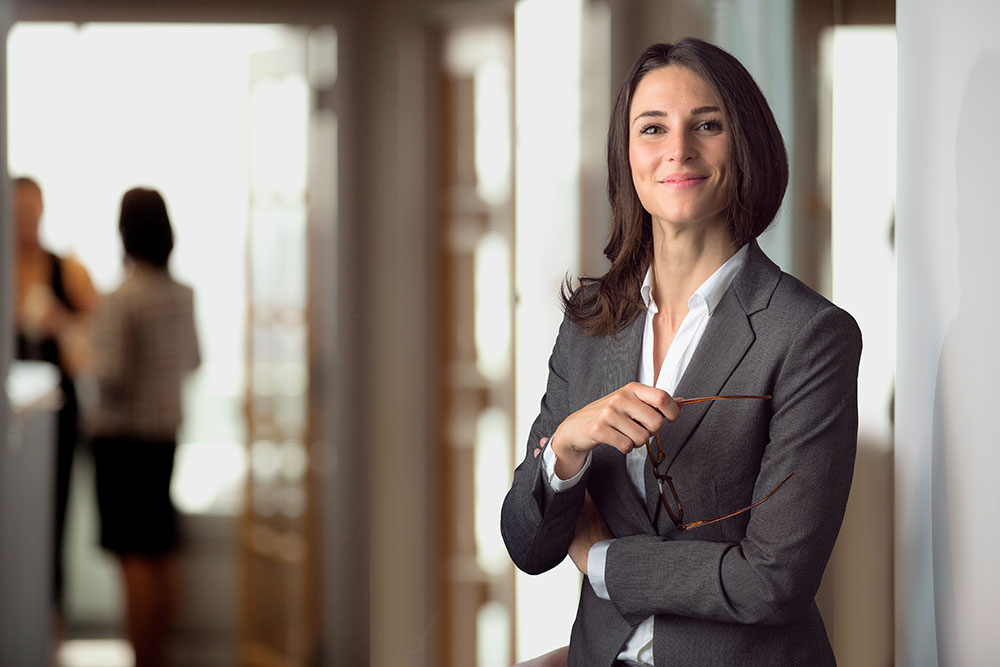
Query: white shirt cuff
[549,467]
[596,559]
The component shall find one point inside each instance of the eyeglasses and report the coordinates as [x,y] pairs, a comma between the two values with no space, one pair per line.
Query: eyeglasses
[656,457]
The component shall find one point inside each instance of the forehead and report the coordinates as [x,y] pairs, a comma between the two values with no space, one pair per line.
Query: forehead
[672,87]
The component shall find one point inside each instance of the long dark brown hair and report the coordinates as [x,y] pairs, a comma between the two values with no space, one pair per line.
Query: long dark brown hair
[757,159]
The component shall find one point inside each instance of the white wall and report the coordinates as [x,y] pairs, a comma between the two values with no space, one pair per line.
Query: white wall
[947,450]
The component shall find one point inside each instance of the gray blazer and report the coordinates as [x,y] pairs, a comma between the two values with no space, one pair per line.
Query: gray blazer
[741,591]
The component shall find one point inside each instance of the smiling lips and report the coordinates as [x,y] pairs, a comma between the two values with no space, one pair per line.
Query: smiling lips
[683,180]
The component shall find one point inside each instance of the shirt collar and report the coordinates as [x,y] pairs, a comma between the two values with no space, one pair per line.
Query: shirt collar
[710,291]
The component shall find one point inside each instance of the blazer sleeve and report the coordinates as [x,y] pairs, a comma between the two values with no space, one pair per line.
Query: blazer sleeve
[771,576]
[537,523]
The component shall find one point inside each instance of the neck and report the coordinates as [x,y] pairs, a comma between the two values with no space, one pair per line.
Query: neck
[684,259]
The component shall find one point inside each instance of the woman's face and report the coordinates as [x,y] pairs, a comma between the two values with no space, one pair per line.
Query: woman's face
[679,149]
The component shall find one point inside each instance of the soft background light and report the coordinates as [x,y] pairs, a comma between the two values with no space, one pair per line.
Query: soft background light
[95,109]
[99,108]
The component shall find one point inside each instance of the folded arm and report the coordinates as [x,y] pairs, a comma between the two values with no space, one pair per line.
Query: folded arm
[540,513]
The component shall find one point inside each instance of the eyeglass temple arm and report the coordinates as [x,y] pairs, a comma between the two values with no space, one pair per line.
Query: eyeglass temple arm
[699,524]
[687,401]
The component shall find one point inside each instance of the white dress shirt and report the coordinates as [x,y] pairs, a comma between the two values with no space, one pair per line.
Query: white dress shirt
[638,650]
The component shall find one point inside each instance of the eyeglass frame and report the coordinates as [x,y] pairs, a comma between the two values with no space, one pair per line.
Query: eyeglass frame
[657,459]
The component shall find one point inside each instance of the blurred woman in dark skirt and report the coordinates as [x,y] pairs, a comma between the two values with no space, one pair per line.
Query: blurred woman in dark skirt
[55,303]
[145,344]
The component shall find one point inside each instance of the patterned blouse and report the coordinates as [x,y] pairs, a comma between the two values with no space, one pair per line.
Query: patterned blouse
[145,343]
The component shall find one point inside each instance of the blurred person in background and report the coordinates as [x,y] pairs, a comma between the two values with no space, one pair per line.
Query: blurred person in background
[702,526]
[145,344]
[55,302]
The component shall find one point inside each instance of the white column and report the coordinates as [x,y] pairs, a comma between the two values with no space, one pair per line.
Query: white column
[858,67]
[547,213]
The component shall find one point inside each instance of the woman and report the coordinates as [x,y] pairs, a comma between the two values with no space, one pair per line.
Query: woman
[703,531]
[145,344]
[55,302]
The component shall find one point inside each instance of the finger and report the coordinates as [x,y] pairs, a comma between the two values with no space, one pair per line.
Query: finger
[629,437]
[541,445]
[648,417]
[625,405]
[636,432]
[657,399]
[601,432]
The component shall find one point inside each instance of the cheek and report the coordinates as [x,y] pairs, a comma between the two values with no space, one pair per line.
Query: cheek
[722,159]
[635,166]
[644,156]
[641,174]
[719,159]
[643,164]
[727,182]
[633,161]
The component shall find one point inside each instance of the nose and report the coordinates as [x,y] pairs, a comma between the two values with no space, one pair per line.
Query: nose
[680,147]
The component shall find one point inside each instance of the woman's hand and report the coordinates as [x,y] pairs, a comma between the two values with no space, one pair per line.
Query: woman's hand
[590,529]
[624,419]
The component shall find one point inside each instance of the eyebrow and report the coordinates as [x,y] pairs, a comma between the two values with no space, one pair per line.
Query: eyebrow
[655,113]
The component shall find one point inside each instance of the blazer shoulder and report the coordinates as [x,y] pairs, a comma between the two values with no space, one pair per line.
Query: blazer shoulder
[583,292]
[764,289]
[793,295]
[795,308]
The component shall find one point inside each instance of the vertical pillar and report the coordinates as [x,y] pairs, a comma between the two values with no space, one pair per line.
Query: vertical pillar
[547,233]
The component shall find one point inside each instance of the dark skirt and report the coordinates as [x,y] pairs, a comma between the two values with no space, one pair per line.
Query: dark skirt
[137,516]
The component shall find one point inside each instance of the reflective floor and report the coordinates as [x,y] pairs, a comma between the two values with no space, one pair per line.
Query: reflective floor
[95,653]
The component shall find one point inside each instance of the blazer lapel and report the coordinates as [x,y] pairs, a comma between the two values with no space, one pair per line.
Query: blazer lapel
[726,340]
[618,364]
